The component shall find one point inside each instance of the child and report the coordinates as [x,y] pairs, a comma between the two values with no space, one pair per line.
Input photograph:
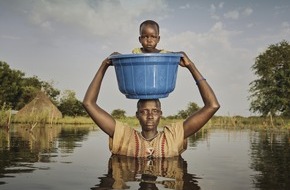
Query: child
[149,38]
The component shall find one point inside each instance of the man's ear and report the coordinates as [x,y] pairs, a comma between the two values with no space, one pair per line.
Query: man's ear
[137,115]
[139,39]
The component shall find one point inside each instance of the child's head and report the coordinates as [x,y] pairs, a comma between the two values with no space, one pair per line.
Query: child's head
[149,36]
[150,23]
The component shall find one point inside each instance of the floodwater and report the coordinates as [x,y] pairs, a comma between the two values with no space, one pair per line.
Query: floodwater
[77,157]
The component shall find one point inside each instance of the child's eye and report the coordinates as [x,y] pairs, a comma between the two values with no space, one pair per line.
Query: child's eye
[144,37]
[147,37]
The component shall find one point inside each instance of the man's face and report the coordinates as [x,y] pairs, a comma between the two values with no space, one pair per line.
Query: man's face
[149,114]
[149,38]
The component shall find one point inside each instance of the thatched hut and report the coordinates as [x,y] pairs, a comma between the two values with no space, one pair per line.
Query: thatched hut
[40,109]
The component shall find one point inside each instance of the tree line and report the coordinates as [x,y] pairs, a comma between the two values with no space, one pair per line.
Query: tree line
[269,92]
[16,90]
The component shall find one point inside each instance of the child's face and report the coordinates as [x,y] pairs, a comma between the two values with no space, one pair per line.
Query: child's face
[149,38]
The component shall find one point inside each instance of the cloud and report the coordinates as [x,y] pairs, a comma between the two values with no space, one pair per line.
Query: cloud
[216,56]
[98,18]
[221,5]
[247,12]
[213,14]
[10,37]
[250,25]
[235,14]
[286,24]
[186,6]
[214,9]
[232,15]
[285,29]
[279,10]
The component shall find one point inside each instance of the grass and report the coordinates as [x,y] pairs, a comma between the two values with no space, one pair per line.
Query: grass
[75,120]
[221,121]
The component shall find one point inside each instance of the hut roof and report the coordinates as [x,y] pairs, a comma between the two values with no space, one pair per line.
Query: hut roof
[41,104]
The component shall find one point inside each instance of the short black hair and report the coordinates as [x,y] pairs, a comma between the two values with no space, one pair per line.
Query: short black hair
[149,22]
[141,101]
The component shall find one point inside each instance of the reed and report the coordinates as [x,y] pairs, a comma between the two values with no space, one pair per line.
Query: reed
[5,116]
[75,120]
[33,118]
[216,121]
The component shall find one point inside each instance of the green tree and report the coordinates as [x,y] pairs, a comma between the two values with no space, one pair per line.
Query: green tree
[16,90]
[191,108]
[52,92]
[70,105]
[10,85]
[118,114]
[29,88]
[270,91]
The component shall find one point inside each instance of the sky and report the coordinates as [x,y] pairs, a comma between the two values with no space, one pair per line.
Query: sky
[64,42]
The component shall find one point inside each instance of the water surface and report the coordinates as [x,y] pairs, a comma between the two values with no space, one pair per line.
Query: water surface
[77,157]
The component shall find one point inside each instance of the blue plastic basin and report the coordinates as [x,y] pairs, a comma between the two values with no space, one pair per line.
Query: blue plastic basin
[146,76]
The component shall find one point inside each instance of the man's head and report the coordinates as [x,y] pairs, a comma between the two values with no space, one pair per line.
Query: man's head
[149,36]
[149,113]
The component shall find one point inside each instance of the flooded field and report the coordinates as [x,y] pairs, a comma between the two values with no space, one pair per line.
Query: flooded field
[77,157]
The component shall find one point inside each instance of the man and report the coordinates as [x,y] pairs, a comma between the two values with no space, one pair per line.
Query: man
[150,142]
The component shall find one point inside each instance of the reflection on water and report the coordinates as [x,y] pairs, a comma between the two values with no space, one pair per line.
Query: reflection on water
[170,173]
[270,153]
[71,157]
[20,148]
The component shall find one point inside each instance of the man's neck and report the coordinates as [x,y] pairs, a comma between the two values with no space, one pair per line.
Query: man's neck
[149,135]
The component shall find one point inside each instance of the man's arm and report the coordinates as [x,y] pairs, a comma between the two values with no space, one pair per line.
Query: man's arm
[199,118]
[103,119]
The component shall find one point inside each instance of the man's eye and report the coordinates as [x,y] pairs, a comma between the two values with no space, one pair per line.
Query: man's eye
[155,111]
[144,112]
[147,112]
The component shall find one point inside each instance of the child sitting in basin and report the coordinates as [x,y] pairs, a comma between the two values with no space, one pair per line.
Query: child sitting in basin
[149,38]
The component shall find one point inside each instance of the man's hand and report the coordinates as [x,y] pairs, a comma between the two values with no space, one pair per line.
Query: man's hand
[184,61]
[108,61]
